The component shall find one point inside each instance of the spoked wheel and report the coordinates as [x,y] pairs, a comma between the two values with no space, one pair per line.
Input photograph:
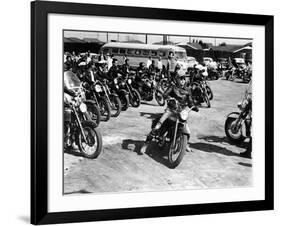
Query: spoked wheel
[209,92]
[124,102]
[135,98]
[93,112]
[176,153]
[105,109]
[233,131]
[92,146]
[116,106]
[206,98]
[159,98]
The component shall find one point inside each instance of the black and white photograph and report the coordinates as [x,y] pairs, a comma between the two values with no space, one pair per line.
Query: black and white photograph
[147,112]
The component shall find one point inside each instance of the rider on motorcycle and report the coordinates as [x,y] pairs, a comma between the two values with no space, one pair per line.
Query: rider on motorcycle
[182,94]
[152,67]
[141,74]
[126,67]
[248,95]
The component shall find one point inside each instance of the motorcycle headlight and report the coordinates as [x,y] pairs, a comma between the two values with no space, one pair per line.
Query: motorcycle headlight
[83,107]
[129,81]
[98,88]
[184,115]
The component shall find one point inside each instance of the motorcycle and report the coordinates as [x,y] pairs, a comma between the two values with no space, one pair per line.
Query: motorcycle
[96,92]
[72,82]
[122,93]
[79,130]
[134,96]
[201,92]
[213,74]
[113,99]
[150,88]
[173,135]
[238,124]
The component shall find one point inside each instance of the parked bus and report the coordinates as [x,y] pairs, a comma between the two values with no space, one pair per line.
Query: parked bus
[138,53]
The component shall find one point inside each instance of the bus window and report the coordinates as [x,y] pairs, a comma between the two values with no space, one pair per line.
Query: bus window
[137,52]
[130,51]
[114,50]
[122,51]
[153,53]
[180,55]
[145,52]
[105,50]
[162,53]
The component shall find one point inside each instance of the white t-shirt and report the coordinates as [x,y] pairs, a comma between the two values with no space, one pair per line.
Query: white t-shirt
[109,63]
[159,65]
[149,62]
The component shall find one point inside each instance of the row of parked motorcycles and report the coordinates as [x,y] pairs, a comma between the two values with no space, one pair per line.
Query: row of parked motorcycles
[238,73]
[99,100]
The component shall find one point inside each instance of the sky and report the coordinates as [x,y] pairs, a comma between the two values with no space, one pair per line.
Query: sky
[152,38]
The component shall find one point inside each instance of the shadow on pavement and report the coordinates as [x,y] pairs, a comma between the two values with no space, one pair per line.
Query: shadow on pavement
[150,115]
[137,143]
[73,152]
[245,164]
[152,150]
[212,148]
[218,139]
[149,103]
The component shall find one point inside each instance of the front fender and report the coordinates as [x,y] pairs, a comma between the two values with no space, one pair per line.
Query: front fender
[233,115]
[113,95]
[123,92]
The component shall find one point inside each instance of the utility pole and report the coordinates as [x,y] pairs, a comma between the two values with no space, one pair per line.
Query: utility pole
[165,40]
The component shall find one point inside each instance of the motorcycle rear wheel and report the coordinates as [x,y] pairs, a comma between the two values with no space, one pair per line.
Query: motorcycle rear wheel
[92,147]
[176,154]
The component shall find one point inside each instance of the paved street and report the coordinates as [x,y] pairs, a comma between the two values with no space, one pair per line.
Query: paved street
[213,162]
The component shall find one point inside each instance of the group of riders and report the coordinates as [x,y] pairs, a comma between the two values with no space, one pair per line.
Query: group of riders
[179,84]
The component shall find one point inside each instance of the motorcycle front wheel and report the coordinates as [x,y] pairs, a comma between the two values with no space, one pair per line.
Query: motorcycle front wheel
[93,112]
[206,98]
[209,92]
[92,146]
[176,153]
[159,98]
[232,131]
[124,102]
[115,106]
[135,98]
[105,109]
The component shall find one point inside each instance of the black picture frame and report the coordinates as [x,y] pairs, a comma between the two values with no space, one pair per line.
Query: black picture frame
[39,112]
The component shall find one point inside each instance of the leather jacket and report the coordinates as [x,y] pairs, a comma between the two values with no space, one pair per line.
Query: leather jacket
[181,94]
